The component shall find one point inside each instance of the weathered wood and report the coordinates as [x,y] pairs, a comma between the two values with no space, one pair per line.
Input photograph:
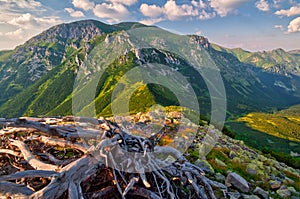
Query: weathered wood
[62,143]
[69,178]
[10,152]
[9,189]
[29,157]
[29,174]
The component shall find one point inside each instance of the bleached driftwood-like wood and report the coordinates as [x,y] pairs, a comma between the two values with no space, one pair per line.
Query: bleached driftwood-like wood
[116,149]
[29,174]
[13,130]
[10,152]
[62,143]
[29,157]
[14,190]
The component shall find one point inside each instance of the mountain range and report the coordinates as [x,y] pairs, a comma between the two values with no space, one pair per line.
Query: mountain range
[38,77]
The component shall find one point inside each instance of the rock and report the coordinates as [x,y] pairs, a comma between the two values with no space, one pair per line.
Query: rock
[262,158]
[203,164]
[295,197]
[251,169]
[288,181]
[235,180]
[274,184]
[220,163]
[220,177]
[293,191]
[250,197]
[260,192]
[234,195]
[232,154]
[283,192]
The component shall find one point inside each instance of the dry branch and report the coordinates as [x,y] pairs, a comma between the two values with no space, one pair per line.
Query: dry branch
[117,149]
[29,157]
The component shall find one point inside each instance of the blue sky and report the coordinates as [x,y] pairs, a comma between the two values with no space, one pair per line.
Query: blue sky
[250,24]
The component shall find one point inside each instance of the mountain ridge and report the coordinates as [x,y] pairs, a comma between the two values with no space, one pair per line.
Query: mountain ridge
[54,57]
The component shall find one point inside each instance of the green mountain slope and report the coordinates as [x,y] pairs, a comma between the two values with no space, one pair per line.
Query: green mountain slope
[275,61]
[38,77]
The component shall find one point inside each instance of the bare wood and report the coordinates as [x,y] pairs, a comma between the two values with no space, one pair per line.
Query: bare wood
[62,143]
[14,190]
[29,157]
[74,172]
[10,152]
[29,174]
[13,130]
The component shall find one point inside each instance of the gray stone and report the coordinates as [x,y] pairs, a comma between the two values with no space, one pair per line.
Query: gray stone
[220,177]
[234,195]
[250,197]
[220,163]
[260,192]
[251,169]
[235,180]
[283,192]
[204,165]
[274,184]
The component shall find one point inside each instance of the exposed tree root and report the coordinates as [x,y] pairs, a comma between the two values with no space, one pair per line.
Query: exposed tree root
[117,165]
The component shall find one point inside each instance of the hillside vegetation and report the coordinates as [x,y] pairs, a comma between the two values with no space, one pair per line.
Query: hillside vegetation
[284,124]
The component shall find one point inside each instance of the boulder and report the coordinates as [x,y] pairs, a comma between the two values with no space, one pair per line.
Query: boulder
[220,177]
[250,197]
[261,193]
[283,192]
[203,164]
[237,181]
[220,163]
[274,184]
[251,169]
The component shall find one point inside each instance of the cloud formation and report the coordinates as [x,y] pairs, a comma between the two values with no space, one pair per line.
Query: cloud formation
[20,4]
[125,2]
[29,21]
[14,35]
[224,7]
[173,11]
[294,10]
[263,5]
[294,25]
[151,10]
[83,4]
[114,12]
[74,13]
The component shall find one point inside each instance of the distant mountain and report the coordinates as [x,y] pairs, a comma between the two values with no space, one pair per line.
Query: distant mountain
[275,61]
[37,78]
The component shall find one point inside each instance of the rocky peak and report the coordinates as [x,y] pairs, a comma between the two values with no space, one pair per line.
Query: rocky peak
[81,30]
[203,41]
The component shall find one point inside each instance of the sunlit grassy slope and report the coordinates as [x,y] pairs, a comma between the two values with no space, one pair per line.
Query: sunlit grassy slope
[284,124]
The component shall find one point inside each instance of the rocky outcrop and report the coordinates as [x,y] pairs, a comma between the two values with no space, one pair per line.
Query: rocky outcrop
[235,180]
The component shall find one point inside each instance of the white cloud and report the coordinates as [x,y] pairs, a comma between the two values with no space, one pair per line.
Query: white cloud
[294,10]
[151,10]
[83,4]
[151,21]
[203,15]
[29,21]
[114,12]
[223,7]
[74,13]
[280,27]
[125,2]
[174,11]
[199,4]
[294,25]
[263,5]
[18,34]
[17,4]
